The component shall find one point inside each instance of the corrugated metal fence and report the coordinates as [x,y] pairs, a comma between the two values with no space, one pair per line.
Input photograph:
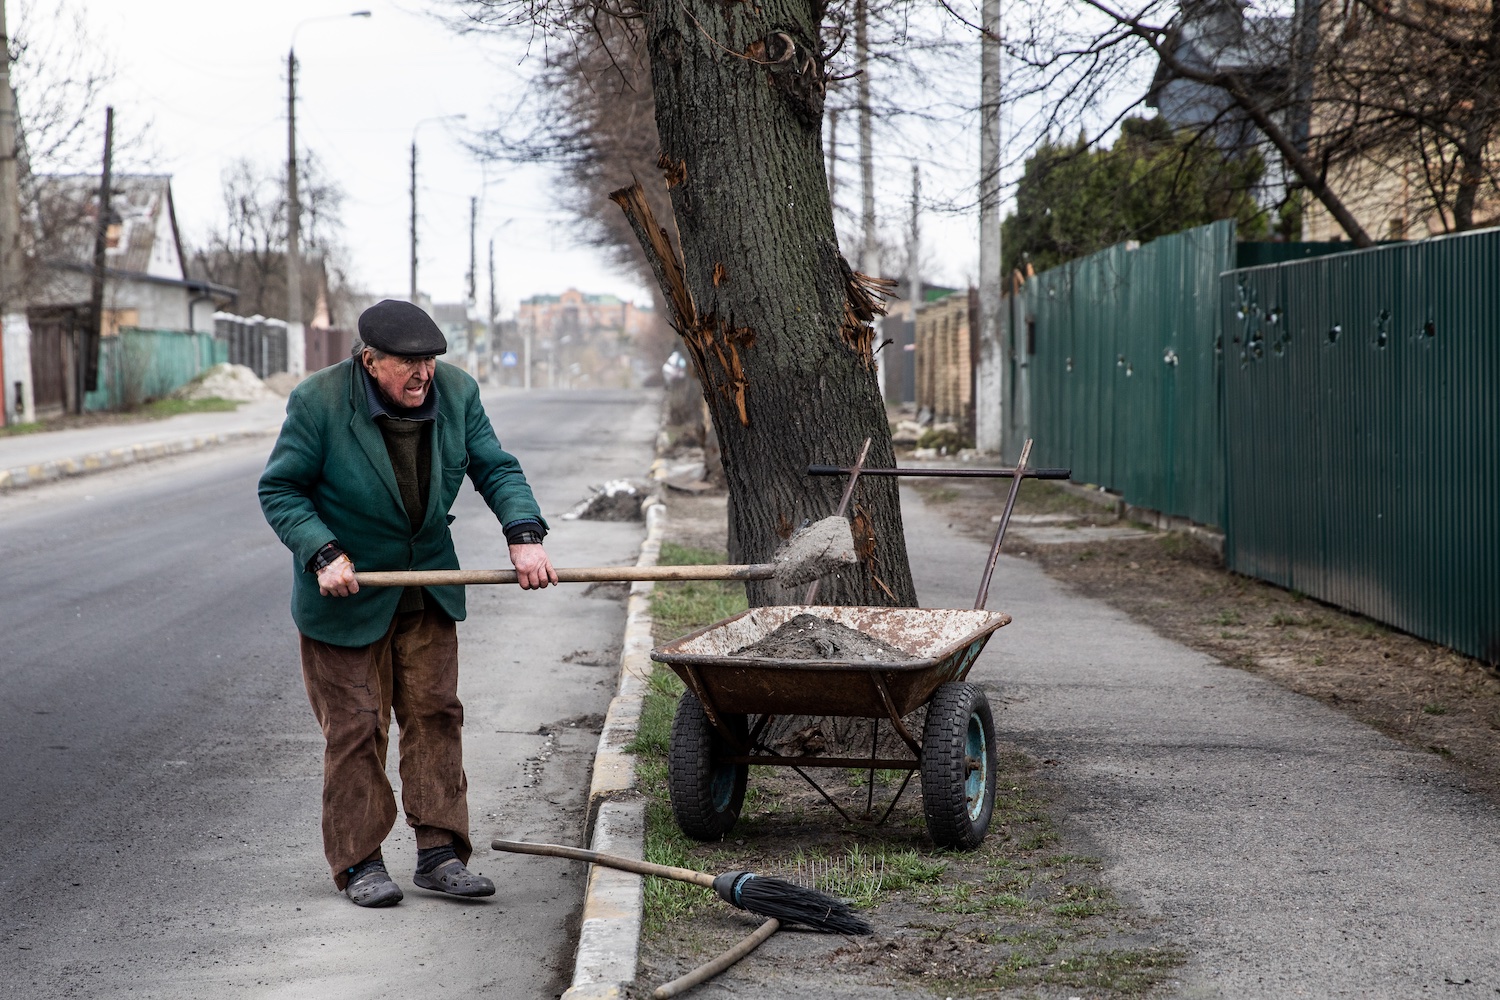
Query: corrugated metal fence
[137,365]
[1362,420]
[1121,355]
[257,343]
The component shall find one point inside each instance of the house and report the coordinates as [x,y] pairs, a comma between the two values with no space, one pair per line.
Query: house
[146,284]
[146,279]
[1216,36]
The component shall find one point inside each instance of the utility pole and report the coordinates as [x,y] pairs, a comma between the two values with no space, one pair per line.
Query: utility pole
[15,347]
[988,432]
[413,295]
[473,302]
[491,338]
[473,272]
[914,247]
[87,366]
[869,251]
[296,343]
[296,335]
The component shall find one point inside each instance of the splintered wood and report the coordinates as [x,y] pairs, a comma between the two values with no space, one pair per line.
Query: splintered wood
[706,337]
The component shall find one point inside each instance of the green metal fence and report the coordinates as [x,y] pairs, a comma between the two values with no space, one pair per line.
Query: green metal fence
[1123,383]
[1362,433]
[140,365]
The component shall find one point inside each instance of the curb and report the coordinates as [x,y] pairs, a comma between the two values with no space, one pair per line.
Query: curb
[98,461]
[609,938]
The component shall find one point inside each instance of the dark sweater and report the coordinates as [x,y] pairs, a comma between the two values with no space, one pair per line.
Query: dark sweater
[408,440]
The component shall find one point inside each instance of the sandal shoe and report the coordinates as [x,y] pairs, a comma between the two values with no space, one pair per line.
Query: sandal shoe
[453,878]
[373,887]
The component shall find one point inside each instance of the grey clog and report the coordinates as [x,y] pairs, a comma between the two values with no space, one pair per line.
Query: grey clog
[453,878]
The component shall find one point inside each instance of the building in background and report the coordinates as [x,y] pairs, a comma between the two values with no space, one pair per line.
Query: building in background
[583,341]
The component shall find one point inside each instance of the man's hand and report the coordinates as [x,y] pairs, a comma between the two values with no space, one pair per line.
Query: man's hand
[337,578]
[533,569]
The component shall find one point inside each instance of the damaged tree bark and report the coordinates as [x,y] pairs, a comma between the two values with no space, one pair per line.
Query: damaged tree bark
[773,316]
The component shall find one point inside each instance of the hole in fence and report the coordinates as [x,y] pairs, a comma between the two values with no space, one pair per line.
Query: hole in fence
[1333,333]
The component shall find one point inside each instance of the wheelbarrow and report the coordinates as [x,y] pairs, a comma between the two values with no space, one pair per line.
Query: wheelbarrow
[714,743]
[721,720]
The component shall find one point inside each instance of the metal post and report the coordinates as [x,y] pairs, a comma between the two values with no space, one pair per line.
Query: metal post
[413,295]
[16,332]
[491,337]
[988,432]
[296,344]
[88,355]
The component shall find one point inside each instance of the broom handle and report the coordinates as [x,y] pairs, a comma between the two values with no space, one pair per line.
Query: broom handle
[708,970]
[577,574]
[607,860]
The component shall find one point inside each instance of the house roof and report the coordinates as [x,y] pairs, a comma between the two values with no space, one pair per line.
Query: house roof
[146,241]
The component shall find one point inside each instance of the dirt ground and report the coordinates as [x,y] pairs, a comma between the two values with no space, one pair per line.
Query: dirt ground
[1420,693]
[1027,914]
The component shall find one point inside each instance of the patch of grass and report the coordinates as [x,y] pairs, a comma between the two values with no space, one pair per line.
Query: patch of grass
[946,440]
[1435,708]
[1281,619]
[1123,971]
[1229,616]
[176,407]
[678,608]
[1085,900]
[13,430]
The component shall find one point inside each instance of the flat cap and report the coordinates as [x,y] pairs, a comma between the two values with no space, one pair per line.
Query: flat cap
[397,327]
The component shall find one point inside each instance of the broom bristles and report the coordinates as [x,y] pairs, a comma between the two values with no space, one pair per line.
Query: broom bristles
[789,903]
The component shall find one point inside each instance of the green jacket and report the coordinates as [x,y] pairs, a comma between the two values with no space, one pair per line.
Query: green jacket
[329,478]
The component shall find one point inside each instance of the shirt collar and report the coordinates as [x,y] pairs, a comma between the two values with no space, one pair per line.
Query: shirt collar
[379,407]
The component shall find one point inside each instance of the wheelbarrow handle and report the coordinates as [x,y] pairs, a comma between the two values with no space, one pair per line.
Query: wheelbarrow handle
[839,470]
[576,574]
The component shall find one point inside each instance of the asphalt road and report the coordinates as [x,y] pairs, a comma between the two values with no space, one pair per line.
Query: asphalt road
[160,768]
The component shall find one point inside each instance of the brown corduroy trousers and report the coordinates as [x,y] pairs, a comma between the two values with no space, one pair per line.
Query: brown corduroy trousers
[413,668]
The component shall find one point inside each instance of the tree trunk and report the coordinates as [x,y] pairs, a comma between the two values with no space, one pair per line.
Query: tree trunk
[773,315]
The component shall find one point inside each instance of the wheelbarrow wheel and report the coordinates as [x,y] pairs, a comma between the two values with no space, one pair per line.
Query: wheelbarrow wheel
[706,792]
[958,766]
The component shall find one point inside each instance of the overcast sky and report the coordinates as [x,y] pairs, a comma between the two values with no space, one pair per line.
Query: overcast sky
[211,79]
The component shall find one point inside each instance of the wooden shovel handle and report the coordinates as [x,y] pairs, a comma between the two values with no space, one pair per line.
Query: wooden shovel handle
[607,860]
[578,574]
[708,970]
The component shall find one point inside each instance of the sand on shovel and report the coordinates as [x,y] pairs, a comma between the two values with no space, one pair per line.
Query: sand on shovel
[814,551]
[808,637]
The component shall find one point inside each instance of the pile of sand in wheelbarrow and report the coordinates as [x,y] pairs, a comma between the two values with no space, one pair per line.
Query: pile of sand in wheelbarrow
[808,637]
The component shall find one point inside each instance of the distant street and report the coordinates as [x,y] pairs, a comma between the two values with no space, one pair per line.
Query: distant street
[160,768]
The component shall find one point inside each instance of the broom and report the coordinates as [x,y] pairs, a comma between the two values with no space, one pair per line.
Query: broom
[768,897]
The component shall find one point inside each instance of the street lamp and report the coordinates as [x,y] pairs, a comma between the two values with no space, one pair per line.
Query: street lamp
[296,344]
[414,128]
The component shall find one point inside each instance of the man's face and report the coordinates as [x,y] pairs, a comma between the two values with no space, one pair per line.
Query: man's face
[404,381]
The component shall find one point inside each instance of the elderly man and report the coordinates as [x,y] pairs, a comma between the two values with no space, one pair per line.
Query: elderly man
[369,461]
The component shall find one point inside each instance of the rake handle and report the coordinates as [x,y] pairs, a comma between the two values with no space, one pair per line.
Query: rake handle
[577,574]
[607,860]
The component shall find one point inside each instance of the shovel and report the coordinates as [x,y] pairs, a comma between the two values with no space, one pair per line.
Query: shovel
[819,548]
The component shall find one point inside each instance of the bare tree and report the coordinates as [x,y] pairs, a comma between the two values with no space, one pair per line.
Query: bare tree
[247,250]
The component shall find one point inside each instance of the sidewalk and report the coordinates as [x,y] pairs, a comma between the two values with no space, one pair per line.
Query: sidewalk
[1297,853]
[26,459]
[1285,849]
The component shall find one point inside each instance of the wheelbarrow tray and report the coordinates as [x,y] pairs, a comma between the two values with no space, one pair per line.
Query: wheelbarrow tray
[943,644]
